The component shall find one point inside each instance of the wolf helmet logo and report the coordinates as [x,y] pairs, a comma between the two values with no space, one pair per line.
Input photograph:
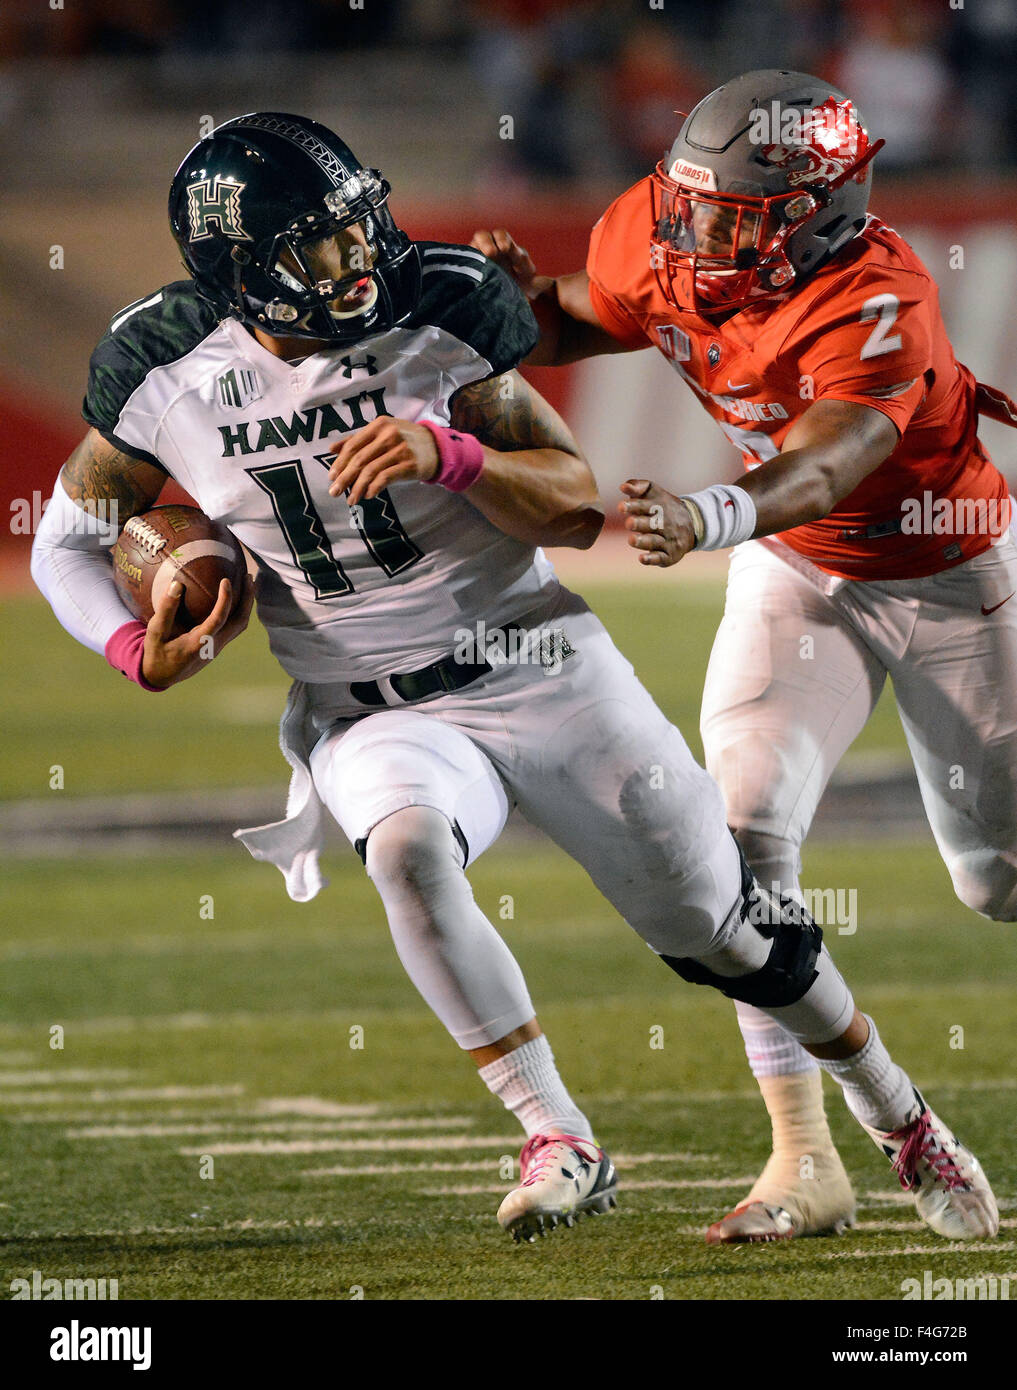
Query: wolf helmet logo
[825,142]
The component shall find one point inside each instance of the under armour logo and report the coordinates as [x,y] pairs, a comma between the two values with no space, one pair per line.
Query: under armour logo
[368,364]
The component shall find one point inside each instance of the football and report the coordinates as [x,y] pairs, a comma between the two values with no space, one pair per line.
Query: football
[176,542]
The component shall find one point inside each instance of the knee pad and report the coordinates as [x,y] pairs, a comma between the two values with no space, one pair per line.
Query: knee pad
[790,968]
[412,847]
[986,880]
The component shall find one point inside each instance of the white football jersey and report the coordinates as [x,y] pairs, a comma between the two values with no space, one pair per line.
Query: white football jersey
[346,594]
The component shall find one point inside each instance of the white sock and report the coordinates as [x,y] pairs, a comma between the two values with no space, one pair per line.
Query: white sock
[770,1050]
[527,1083]
[878,1092]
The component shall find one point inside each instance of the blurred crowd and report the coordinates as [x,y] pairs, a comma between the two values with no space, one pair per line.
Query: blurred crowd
[593,86]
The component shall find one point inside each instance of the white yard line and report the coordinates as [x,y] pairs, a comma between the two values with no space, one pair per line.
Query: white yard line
[131,1023]
[247,1223]
[385,1170]
[676,1098]
[647,1186]
[315,1105]
[313,1146]
[382,1170]
[968,1248]
[680,1098]
[127,1093]
[146,1114]
[624,1160]
[255,1113]
[897,1199]
[914,1226]
[55,1078]
[165,1131]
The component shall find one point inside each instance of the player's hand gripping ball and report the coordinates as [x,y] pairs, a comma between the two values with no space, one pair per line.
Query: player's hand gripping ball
[176,542]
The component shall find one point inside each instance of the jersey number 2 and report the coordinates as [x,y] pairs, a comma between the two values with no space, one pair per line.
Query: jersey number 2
[374,518]
[883,308]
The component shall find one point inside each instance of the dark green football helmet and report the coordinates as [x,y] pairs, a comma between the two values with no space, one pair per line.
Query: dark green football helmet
[278,222]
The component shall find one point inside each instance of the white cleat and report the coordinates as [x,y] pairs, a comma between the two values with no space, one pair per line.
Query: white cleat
[951,1191]
[562,1177]
[752,1224]
[783,1206]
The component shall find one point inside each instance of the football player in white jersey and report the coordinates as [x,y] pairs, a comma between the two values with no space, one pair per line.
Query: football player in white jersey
[345,401]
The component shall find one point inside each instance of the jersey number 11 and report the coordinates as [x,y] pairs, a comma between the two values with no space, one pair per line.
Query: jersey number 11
[375,519]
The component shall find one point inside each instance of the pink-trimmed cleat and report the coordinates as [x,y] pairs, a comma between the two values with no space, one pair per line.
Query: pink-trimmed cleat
[950,1189]
[562,1177]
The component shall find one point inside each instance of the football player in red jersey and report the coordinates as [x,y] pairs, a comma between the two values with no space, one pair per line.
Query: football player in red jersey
[871,518]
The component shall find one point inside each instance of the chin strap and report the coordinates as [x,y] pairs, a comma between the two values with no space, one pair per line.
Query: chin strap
[240,258]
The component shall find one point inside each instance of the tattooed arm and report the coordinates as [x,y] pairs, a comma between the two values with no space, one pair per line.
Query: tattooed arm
[109,483]
[99,489]
[536,485]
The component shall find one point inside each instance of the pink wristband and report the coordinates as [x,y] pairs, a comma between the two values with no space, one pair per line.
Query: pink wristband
[125,651]
[461,457]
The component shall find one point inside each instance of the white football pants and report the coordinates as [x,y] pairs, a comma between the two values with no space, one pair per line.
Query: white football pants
[797,666]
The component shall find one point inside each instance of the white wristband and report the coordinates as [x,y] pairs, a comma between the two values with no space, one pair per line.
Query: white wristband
[728,516]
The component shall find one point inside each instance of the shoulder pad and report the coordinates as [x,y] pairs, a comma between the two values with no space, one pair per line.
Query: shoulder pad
[468,296]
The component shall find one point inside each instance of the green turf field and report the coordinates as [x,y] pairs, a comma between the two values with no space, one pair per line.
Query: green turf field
[380,1167]
[337,1167]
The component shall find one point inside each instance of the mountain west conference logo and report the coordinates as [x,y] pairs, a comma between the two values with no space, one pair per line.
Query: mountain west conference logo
[673,343]
[214,205]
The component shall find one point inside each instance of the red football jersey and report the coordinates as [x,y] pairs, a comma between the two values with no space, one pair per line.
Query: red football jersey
[866,323]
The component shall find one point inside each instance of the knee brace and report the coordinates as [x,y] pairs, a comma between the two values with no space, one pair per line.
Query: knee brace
[790,969]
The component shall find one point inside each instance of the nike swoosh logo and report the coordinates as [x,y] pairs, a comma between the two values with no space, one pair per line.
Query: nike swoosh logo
[743,387]
[987,611]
